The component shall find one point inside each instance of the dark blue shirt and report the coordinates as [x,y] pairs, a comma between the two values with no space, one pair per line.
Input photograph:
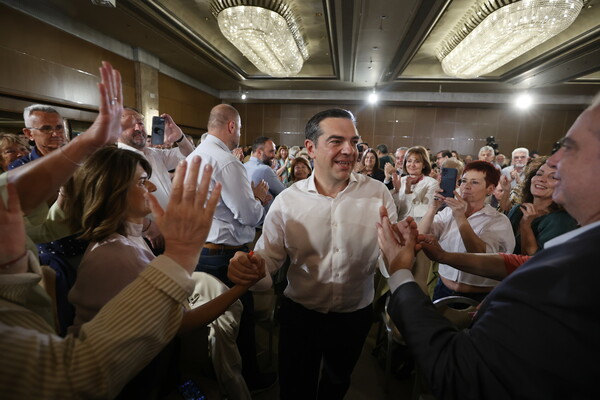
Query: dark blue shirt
[34,155]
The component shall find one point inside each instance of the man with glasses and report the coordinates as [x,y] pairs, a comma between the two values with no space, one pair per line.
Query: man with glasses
[45,127]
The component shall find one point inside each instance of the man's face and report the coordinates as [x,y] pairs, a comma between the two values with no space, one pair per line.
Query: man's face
[335,152]
[486,155]
[439,159]
[47,130]
[268,153]
[399,159]
[133,132]
[519,159]
[580,153]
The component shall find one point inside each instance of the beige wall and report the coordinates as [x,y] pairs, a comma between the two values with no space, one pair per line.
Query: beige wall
[456,128]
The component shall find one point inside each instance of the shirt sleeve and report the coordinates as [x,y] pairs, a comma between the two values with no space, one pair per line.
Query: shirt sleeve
[238,196]
[275,185]
[53,227]
[170,157]
[125,335]
[498,235]
[271,244]
[513,261]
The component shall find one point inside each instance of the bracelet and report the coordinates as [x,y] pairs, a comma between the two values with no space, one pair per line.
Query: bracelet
[8,264]
[68,158]
[146,228]
[180,139]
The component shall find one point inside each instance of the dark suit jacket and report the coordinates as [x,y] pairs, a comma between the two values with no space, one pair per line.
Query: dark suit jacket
[536,336]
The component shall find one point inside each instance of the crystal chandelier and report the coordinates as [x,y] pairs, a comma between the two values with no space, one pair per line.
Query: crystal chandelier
[265,31]
[491,34]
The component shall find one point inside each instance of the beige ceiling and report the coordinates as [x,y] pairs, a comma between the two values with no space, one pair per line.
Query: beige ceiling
[354,45]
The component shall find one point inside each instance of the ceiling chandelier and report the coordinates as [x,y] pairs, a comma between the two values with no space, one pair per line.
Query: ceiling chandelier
[265,31]
[495,32]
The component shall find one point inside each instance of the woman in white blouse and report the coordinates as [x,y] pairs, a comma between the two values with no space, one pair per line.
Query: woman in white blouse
[415,192]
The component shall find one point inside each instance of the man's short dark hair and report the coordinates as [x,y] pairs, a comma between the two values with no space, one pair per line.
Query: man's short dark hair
[445,153]
[382,148]
[259,142]
[313,129]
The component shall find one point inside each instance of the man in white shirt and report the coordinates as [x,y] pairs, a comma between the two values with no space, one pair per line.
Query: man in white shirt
[535,334]
[133,137]
[516,171]
[325,224]
[238,212]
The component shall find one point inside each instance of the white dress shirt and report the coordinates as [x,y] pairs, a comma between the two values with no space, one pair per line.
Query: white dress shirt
[513,182]
[488,224]
[417,203]
[161,161]
[331,242]
[238,212]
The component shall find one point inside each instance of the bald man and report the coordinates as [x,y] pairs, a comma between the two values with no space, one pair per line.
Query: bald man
[239,211]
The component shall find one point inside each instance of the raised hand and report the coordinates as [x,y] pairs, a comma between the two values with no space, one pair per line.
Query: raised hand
[261,191]
[186,221]
[106,129]
[389,170]
[172,132]
[457,204]
[238,152]
[13,258]
[505,183]
[530,213]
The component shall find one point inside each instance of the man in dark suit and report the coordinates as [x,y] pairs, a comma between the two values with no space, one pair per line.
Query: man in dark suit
[537,334]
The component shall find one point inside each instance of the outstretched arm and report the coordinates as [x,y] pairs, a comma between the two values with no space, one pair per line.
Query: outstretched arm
[483,264]
[39,180]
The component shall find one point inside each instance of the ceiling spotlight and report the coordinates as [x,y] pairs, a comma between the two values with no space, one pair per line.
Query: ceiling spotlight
[373,97]
[523,101]
[264,31]
[243,96]
[493,33]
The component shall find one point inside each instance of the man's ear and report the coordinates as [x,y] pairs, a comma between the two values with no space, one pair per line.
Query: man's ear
[28,134]
[490,189]
[231,126]
[310,147]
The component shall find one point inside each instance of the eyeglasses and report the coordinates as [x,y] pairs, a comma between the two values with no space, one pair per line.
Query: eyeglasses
[47,129]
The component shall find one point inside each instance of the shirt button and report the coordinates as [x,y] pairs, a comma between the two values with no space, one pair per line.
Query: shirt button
[336,250]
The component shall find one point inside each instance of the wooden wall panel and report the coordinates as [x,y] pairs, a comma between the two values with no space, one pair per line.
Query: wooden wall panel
[44,64]
[456,128]
[189,107]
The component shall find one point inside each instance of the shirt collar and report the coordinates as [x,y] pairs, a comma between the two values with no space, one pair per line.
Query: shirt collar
[570,235]
[122,145]
[213,139]
[311,187]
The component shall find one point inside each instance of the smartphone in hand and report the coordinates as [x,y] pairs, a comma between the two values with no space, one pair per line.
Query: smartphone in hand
[158,130]
[448,183]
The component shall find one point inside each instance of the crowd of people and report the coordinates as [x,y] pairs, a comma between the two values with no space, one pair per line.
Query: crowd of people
[102,236]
